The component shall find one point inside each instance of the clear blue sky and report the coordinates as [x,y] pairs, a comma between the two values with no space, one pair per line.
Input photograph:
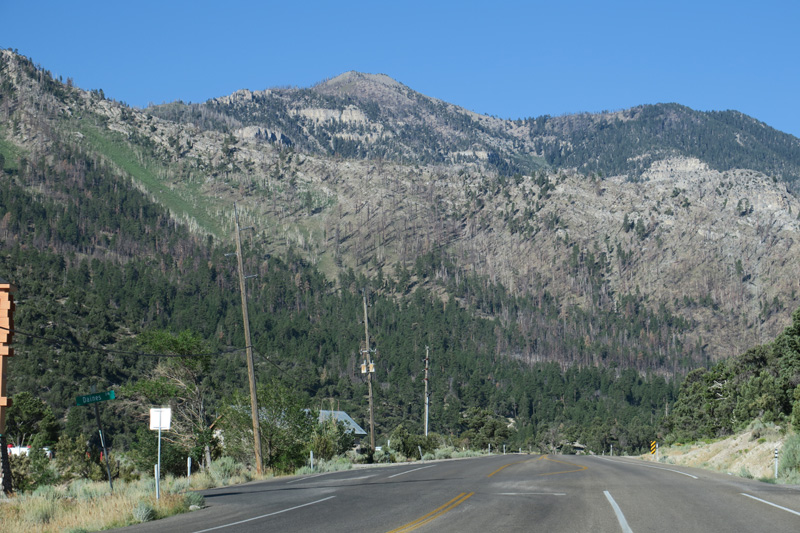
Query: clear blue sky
[512,60]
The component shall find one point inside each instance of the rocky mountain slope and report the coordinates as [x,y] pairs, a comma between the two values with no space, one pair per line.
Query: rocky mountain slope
[657,237]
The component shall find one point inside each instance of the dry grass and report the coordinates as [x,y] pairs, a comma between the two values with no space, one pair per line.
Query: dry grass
[91,506]
[747,454]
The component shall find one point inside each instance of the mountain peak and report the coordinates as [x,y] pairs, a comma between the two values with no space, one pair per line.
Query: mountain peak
[353,79]
[378,88]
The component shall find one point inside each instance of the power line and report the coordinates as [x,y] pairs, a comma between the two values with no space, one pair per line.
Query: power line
[60,340]
[281,370]
[57,341]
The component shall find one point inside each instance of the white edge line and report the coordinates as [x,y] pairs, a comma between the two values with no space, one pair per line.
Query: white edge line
[304,478]
[409,471]
[264,515]
[620,517]
[650,466]
[770,503]
[669,470]
[334,472]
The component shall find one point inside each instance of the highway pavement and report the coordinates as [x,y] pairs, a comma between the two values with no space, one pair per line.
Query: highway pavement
[547,493]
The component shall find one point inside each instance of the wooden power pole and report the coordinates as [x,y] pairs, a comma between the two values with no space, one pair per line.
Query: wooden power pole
[249,348]
[6,334]
[369,368]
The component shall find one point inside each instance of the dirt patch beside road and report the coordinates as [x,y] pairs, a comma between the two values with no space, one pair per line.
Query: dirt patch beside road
[748,454]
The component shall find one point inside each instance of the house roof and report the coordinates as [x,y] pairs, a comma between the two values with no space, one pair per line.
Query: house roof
[341,416]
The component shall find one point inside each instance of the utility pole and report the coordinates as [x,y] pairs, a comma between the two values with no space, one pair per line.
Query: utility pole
[368,367]
[426,391]
[248,346]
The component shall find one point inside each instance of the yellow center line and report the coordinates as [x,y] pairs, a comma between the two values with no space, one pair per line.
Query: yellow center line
[515,463]
[502,467]
[436,513]
[580,469]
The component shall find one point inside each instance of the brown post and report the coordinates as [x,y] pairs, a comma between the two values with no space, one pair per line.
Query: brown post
[6,334]
[251,375]
[370,371]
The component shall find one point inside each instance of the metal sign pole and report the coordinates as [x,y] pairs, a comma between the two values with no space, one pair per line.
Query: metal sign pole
[158,466]
[103,443]
[159,419]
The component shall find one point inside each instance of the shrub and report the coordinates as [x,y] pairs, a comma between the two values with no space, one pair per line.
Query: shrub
[409,444]
[382,456]
[41,511]
[84,489]
[789,465]
[334,465]
[226,468]
[143,512]
[75,460]
[144,454]
[331,438]
[194,499]
[443,453]
[21,478]
[357,458]
[47,492]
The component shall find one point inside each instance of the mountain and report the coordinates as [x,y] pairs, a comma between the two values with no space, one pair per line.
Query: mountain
[372,116]
[107,227]
[658,238]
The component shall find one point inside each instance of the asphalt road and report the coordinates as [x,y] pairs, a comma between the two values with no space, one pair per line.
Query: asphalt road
[548,493]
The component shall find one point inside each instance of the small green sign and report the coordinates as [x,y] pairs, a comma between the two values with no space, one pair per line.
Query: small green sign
[96,397]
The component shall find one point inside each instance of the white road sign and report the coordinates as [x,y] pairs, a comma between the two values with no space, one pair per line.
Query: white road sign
[160,418]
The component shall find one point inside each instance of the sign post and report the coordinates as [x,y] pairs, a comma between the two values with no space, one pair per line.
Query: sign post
[159,419]
[776,463]
[654,448]
[95,398]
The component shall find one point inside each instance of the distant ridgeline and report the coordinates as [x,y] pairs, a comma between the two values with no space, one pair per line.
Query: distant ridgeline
[374,119]
[628,142]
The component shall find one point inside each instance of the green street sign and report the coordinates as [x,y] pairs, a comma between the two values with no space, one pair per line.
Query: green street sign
[97,397]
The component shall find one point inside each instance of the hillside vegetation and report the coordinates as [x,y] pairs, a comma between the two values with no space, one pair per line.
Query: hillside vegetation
[563,282]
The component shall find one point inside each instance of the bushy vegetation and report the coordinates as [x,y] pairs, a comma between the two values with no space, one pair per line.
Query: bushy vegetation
[789,465]
[764,383]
